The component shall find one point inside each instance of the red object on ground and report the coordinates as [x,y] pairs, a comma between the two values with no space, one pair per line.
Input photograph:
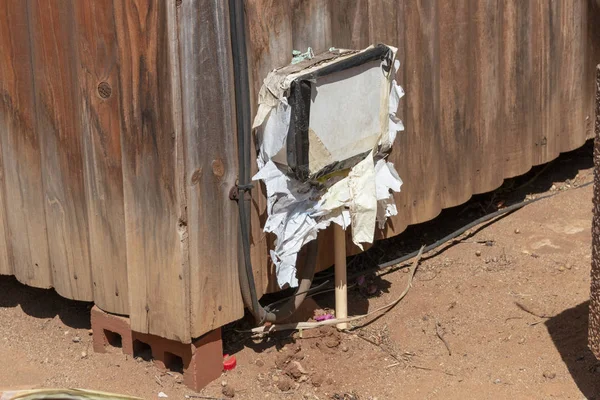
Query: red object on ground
[229,363]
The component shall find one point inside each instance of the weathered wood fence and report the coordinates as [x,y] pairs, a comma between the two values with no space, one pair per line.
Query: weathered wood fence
[118,143]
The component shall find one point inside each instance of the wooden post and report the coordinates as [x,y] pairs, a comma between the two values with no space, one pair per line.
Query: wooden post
[341,285]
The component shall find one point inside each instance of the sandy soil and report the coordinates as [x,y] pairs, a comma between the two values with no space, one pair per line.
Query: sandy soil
[510,302]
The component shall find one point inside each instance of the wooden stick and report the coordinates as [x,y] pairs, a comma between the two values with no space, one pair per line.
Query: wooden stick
[262,330]
[341,284]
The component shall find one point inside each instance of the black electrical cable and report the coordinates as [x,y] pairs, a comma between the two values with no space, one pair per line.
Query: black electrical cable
[465,228]
[242,108]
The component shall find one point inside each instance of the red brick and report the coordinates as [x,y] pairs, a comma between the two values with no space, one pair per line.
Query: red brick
[104,323]
[202,359]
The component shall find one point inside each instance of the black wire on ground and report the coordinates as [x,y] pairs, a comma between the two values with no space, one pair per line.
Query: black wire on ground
[465,228]
[507,210]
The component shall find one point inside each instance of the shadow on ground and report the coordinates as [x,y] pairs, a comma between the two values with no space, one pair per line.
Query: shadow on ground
[44,303]
[540,179]
[569,332]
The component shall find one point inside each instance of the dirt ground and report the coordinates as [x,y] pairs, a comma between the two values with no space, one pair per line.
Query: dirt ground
[498,314]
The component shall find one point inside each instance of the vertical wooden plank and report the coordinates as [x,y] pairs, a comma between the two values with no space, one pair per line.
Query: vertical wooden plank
[101,119]
[210,144]
[545,112]
[457,147]
[416,150]
[156,224]
[485,58]
[383,27]
[572,83]
[350,23]
[269,46]
[398,223]
[311,25]
[26,221]
[516,91]
[6,267]
[59,129]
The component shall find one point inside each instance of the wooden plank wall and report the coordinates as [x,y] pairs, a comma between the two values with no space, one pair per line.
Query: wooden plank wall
[492,87]
[99,155]
[118,144]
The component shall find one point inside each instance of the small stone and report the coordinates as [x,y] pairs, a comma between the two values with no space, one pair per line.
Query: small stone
[66,333]
[90,332]
[317,380]
[495,259]
[83,354]
[332,341]
[517,231]
[561,268]
[344,348]
[295,370]
[553,188]
[139,359]
[497,381]
[568,266]
[228,391]
[285,384]
[275,378]
[549,375]
[259,363]
[281,361]
[522,340]
[46,360]
[223,383]
[478,253]
[76,339]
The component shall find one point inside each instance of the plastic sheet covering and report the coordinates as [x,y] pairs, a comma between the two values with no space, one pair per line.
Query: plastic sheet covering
[348,179]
